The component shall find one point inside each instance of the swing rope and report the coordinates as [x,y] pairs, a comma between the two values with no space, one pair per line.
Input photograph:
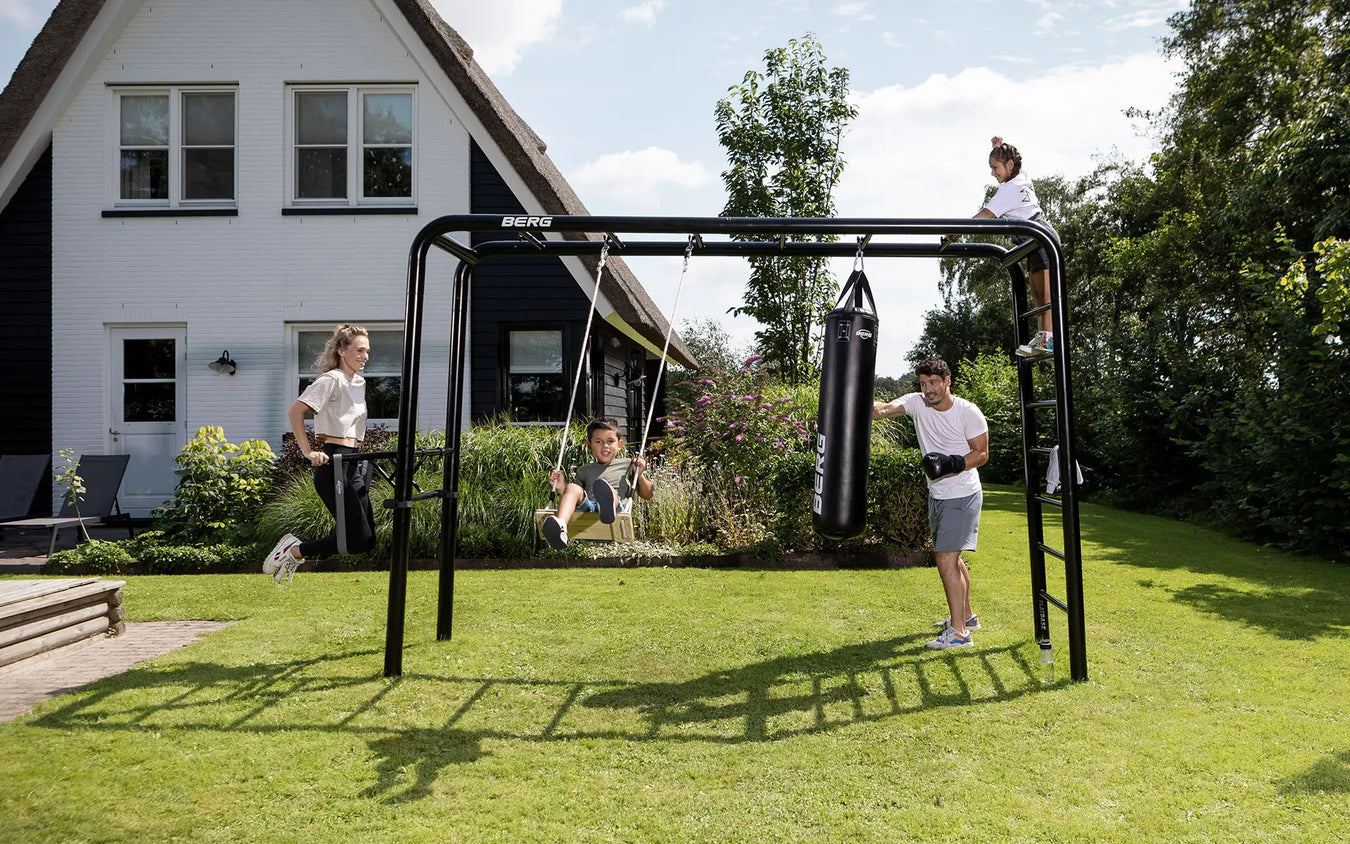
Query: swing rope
[585,347]
[661,368]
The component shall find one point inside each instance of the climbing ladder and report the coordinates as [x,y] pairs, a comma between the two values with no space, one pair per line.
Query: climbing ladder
[1037,453]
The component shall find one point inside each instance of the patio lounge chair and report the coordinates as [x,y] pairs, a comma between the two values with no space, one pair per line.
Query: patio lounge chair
[102,474]
[20,477]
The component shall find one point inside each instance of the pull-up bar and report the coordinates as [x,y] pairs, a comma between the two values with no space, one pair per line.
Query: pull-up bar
[529,236]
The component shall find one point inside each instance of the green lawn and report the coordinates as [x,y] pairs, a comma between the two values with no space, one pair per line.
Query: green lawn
[703,705]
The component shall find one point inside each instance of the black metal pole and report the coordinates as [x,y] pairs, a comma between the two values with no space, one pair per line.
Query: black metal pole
[405,459]
[1068,471]
[454,411]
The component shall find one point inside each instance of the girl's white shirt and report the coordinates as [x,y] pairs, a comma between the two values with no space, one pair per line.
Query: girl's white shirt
[339,404]
[1015,198]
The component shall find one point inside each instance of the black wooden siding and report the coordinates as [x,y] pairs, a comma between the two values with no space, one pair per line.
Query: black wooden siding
[26,316]
[524,293]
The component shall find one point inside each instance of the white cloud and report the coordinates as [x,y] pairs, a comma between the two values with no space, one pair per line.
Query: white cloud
[1147,14]
[1046,23]
[643,14]
[855,11]
[639,182]
[500,32]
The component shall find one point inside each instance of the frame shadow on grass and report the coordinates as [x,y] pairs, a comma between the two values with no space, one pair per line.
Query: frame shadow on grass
[763,701]
[1330,775]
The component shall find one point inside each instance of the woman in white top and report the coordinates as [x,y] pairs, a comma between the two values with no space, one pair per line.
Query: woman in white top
[338,400]
[1016,198]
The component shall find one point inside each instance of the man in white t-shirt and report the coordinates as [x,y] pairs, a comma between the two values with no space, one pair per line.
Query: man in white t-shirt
[954,438]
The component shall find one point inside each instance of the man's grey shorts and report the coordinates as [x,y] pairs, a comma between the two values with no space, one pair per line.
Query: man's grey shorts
[954,523]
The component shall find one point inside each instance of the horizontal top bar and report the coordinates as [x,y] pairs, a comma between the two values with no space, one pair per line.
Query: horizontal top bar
[754,235]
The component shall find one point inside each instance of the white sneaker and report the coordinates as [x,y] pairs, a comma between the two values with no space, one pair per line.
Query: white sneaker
[280,553]
[1043,342]
[972,623]
[951,639]
[286,571]
[555,532]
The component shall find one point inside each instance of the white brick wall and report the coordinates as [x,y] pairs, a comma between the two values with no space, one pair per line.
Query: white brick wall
[237,282]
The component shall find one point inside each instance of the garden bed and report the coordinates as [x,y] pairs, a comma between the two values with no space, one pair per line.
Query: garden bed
[804,561]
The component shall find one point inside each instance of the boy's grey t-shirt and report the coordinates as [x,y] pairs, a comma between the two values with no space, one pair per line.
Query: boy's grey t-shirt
[615,473]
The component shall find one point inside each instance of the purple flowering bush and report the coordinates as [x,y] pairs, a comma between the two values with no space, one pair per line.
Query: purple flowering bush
[728,437]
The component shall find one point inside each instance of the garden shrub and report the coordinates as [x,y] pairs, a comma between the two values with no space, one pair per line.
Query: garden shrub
[96,556]
[897,503]
[179,559]
[221,487]
[727,438]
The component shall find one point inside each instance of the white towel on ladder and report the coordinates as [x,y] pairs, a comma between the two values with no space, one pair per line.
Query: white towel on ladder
[1052,472]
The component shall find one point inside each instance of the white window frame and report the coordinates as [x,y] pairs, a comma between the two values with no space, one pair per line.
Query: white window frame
[355,145]
[293,370]
[176,149]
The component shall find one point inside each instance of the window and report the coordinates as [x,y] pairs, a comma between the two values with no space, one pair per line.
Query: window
[149,380]
[383,371]
[176,147]
[351,146]
[535,391]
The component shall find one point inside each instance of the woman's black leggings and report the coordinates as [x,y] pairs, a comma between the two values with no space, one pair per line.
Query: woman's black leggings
[359,516]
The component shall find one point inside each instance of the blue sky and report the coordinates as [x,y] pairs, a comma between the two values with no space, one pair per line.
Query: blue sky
[623,92]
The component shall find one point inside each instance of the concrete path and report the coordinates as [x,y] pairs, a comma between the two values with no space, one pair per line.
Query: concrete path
[28,682]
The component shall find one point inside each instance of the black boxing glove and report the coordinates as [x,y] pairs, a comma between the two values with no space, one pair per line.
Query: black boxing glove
[941,465]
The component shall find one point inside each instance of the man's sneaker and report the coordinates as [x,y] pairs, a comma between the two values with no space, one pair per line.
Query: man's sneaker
[972,623]
[280,553]
[604,500]
[951,639]
[1042,342]
[555,532]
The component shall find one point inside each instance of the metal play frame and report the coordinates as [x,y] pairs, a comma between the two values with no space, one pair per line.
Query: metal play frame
[533,236]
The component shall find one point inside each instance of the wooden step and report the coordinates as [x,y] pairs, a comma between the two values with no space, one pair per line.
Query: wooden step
[39,615]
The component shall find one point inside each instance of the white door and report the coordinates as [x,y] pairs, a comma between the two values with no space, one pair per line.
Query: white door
[148,417]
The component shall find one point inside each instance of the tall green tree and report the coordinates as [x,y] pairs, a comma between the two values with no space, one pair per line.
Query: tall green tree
[781,130]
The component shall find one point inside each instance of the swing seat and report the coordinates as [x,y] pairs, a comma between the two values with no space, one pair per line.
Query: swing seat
[589,526]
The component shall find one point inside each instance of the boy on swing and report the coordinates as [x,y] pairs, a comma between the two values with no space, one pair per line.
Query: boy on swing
[603,486]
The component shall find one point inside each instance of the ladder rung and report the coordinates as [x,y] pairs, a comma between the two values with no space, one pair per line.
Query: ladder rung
[1040,449]
[1020,252]
[1051,551]
[1057,602]
[1039,309]
[1053,502]
[1043,403]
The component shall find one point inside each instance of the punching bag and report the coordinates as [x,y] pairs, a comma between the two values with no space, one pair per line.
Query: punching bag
[847,384]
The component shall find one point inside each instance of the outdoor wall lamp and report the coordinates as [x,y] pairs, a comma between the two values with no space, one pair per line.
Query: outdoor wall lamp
[224,363]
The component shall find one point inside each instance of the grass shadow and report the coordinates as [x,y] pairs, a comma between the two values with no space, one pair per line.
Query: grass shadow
[768,700]
[1329,775]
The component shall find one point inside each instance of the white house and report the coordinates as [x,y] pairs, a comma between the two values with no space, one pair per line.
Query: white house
[183,180]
